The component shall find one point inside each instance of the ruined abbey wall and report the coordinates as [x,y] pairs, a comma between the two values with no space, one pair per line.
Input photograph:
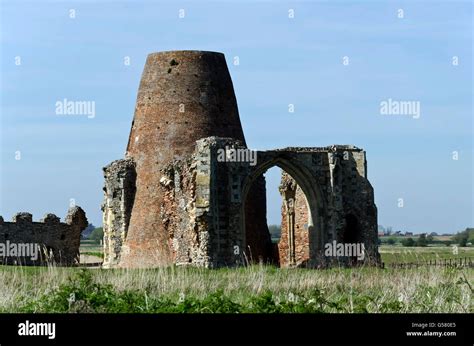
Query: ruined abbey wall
[204,210]
[58,241]
[173,199]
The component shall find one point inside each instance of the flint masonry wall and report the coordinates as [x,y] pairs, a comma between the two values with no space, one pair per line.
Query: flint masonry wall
[205,205]
[350,197]
[119,195]
[59,242]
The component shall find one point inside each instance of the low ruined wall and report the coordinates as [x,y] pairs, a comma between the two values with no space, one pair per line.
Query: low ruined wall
[25,242]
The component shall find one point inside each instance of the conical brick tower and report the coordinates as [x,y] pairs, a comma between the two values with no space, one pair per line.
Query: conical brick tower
[183,96]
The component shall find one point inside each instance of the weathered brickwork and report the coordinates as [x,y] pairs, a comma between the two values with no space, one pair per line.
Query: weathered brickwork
[294,212]
[58,242]
[174,200]
[183,96]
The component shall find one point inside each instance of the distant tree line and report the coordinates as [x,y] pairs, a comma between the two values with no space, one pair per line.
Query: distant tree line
[275,231]
[97,234]
[462,239]
[465,237]
[93,233]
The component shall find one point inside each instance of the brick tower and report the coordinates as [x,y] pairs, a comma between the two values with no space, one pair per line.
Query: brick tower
[183,96]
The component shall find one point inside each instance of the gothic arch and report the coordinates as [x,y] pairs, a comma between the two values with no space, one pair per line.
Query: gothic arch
[316,203]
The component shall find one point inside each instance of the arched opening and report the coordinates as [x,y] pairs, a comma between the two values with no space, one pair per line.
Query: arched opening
[274,202]
[300,237]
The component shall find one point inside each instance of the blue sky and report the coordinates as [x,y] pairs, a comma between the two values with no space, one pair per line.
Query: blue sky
[282,61]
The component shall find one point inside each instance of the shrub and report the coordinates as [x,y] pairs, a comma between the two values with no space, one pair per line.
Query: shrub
[422,241]
[464,237]
[408,242]
[97,234]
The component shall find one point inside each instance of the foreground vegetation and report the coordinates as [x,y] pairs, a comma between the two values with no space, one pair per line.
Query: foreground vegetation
[259,289]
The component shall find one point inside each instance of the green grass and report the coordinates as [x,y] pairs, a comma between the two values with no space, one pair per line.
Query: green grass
[400,254]
[90,246]
[91,253]
[389,253]
[259,289]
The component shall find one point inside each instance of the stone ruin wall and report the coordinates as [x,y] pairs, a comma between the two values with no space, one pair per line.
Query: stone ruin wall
[119,195]
[201,210]
[202,206]
[58,241]
[349,193]
[170,202]
[185,209]
[355,196]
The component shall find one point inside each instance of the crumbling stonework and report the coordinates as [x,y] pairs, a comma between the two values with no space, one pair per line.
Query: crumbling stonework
[119,194]
[58,242]
[183,96]
[174,200]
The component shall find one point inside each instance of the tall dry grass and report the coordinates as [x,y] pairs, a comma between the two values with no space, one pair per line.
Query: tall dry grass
[425,289]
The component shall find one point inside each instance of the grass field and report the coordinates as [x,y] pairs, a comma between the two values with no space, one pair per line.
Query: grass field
[91,250]
[401,254]
[90,246]
[251,289]
[389,253]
